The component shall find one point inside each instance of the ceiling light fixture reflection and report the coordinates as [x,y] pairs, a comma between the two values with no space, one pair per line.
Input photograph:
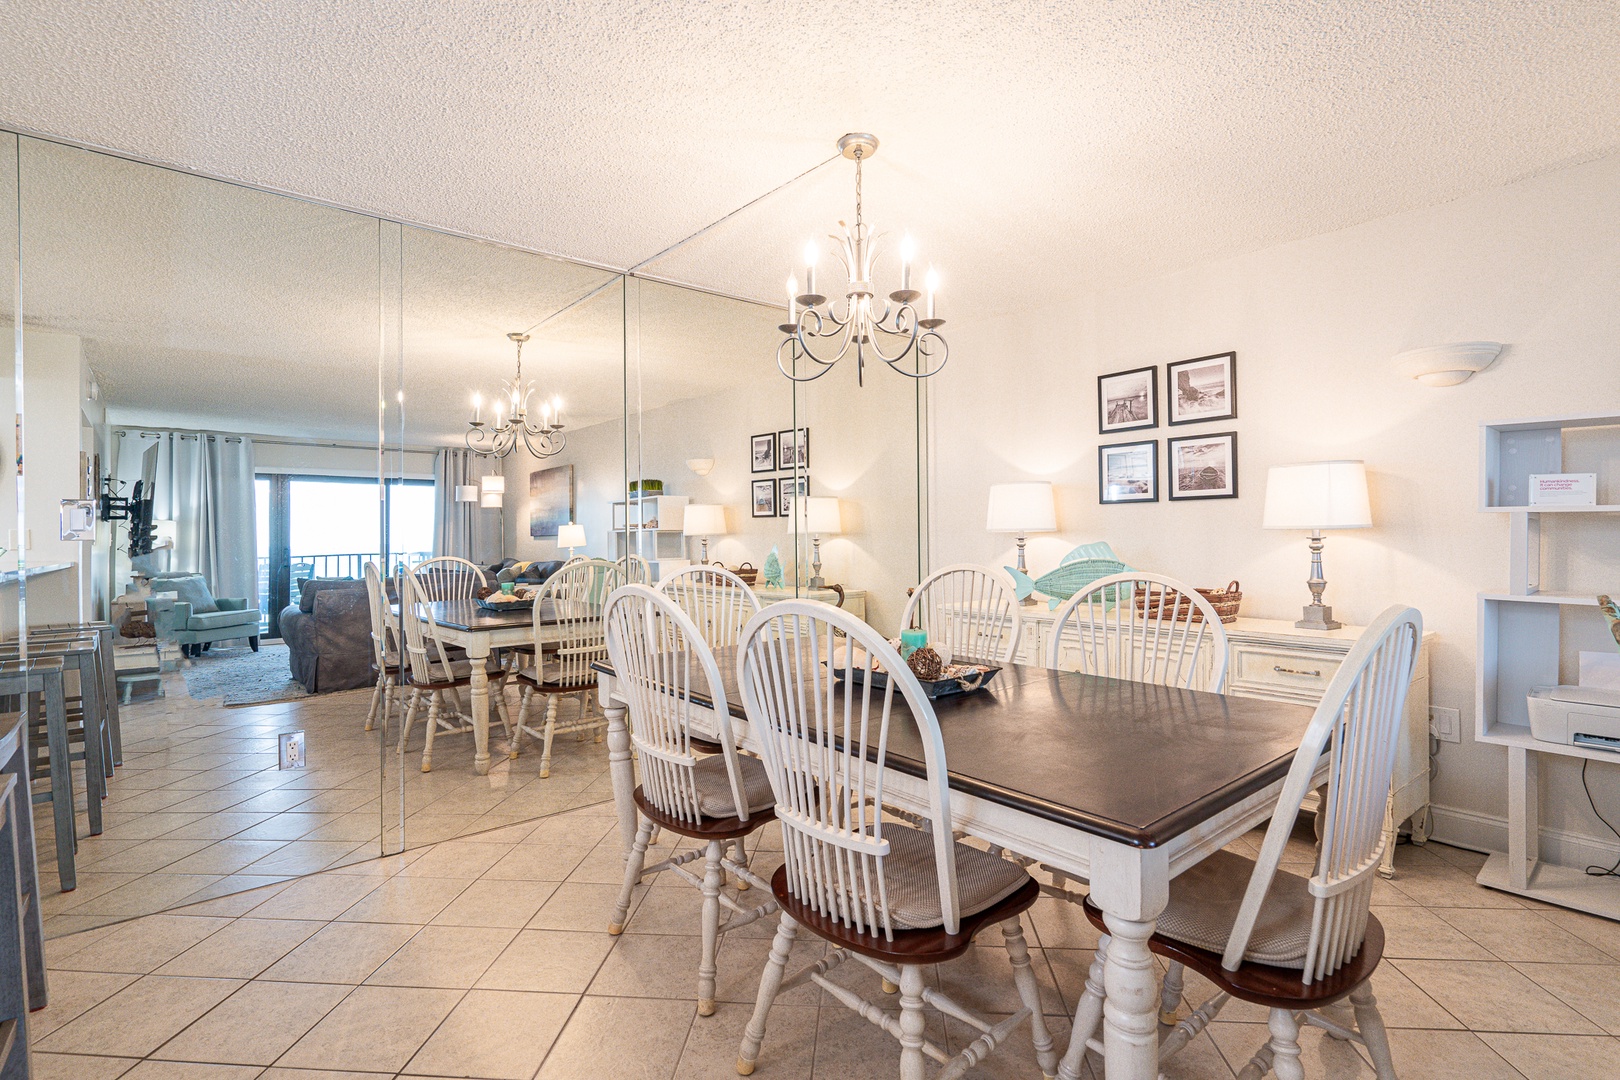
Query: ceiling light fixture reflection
[511,425]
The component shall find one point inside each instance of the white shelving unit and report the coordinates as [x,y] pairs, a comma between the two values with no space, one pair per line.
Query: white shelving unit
[1521,644]
[654,526]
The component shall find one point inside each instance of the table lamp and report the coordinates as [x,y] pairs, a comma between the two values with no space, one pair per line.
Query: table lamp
[821,518]
[1022,508]
[704,520]
[571,536]
[1315,496]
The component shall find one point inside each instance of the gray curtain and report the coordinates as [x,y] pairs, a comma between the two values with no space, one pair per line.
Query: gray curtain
[462,529]
[205,486]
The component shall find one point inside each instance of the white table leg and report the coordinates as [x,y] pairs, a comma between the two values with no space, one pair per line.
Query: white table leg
[621,768]
[478,654]
[1131,885]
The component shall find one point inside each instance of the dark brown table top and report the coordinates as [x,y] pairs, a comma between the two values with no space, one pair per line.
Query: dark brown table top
[467,616]
[1132,762]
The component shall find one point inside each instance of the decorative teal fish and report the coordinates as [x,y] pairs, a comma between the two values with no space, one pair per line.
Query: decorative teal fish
[1611,611]
[773,570]
[1079,568]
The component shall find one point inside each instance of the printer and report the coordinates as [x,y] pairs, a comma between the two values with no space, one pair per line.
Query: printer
[1576,716]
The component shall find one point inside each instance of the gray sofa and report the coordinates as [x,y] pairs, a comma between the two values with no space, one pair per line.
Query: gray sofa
[328,635]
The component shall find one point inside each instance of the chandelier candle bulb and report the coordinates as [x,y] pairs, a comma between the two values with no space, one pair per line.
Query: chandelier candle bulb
[810,267]
[478,405]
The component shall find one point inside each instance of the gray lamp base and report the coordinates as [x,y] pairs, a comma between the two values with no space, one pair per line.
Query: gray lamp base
[1318,617]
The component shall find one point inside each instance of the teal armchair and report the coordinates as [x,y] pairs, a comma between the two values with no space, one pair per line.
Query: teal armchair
[194,631]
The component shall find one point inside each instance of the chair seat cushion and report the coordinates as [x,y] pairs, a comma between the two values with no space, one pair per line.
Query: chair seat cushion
[714,786]
[982,879]
[220,620]
[460,671]
[1204,904]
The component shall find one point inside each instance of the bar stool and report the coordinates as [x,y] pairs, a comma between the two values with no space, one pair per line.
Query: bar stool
[20,815]
[86,718]
[43,678]
[84,653]
[107,638]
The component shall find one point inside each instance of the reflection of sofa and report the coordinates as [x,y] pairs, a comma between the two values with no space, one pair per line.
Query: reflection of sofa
[328,635]
[196,618]
[532,573]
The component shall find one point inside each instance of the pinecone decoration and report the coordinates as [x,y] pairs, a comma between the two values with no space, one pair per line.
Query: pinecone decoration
[926,664]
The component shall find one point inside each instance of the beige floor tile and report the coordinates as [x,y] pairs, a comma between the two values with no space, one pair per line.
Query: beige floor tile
[457,859]
[1446,1055]
[575,906]
[539,862]
[80,1067]
[236,903]
[279,1073]
[1417,933]
[186,1070]
[149,855]
[73,993]
[1591,989]
[556,961]
[376,1028]
[1603,933]
[405,900]
[849,1048]
[1058,924]
[256,1025]
[1489,996]
[981,980]
[620,1038]
[1403,1005]
[243,949]
[143,945]
[287,825]
[1523,936]
[445,956]
[214,826]
[1557,1057]
[145,895]
[789,1050]
[139,1018]
[227,856]
[323,897]
[741,962]
[341,953]
[302,857]
[463,1046]
[1322,1057]
[496,903]
[650,965]
[1443,885]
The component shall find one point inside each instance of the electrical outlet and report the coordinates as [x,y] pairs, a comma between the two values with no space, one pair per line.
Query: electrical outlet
[291,750]
[1445,724]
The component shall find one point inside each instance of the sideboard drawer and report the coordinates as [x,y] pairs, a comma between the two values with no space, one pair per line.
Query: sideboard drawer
[1285,669]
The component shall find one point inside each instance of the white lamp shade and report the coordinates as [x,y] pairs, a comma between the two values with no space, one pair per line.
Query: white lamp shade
[704,519]
[571,535]
[490,500]
[821,517]
[1024,507]
[1318,495]
[466,493]
[493,484]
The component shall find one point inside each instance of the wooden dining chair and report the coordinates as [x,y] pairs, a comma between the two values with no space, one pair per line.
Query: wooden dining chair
[446,577]
[386,655]
[971,609]
[636,570]
[895,898]
[717,601]
[568,611]
[1272,938]
[660,660]
[1144,628]
[436,678]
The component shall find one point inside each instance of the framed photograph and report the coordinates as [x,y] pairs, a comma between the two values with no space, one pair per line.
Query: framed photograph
[1128,472]
[793,449]
[1203,466]
[762,452]
[551,501]
[791,488]
[1204,388]
[1127,400]
[764,498]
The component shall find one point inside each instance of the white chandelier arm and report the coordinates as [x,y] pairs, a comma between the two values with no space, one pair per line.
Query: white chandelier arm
[804,335]
[793,344]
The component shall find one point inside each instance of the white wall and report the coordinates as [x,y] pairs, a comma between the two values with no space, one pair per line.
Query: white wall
[1314,323]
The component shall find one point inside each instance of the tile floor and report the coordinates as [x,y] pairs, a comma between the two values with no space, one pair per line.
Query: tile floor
[486,956]
[199,809]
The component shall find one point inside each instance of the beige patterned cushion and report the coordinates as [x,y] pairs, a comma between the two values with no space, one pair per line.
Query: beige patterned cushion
[714,786]
[1204,904]
[982,879]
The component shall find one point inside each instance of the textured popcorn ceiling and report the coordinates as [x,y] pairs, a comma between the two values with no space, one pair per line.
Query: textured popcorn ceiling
[1033,149]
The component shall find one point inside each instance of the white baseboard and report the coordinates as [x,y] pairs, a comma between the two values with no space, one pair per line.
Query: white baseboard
[1489,833]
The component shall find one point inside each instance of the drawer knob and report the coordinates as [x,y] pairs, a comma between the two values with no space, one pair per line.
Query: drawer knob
[1295,671]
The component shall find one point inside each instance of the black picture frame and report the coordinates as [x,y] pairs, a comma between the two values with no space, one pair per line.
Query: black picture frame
[1176,476]
[1103,486]
[787,487]
[767,507]
[1106,407]
[1180,392]
[785,445]
[767,444]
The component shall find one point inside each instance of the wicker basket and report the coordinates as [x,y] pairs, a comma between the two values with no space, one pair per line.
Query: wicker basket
[747,572]
[1224,601]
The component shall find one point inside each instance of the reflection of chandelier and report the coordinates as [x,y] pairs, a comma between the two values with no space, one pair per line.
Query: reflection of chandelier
[501,437]
[860,322]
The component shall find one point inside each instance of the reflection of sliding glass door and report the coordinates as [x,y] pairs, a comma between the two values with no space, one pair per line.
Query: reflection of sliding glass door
[327,527]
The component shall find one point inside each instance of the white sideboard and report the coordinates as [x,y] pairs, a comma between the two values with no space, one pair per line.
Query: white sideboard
[854,599]
[1274,659]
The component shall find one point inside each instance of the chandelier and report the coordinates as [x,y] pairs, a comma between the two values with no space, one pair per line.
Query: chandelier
[512,409]
[858,323]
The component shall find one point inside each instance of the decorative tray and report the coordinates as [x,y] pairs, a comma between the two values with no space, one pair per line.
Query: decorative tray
[981,676]
[516,603]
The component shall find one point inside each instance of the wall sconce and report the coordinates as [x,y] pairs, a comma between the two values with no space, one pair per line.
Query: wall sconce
[703,466]
[1447,365]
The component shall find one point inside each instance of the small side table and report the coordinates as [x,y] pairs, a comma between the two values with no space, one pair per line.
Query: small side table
[138,665]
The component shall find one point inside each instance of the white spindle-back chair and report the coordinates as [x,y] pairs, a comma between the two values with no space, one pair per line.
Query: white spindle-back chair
[882,893]
[660,660]
[973,610]
[434,676]
[717,601]
[1320,927]
[1139,626]
[568,612]
[387,654]
[447,577]
[636,570]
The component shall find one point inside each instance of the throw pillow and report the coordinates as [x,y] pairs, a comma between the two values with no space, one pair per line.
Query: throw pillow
[191,589]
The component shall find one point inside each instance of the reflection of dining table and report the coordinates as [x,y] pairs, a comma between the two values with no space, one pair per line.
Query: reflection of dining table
[1124,784]
[480,632]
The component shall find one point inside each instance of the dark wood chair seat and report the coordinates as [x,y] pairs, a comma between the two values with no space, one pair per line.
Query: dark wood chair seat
[1262,984]
[536,682]
[930,946]
[496,675]
[707,828]
[703,746]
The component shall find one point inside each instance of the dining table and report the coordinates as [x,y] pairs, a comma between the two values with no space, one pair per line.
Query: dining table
[1120,784]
